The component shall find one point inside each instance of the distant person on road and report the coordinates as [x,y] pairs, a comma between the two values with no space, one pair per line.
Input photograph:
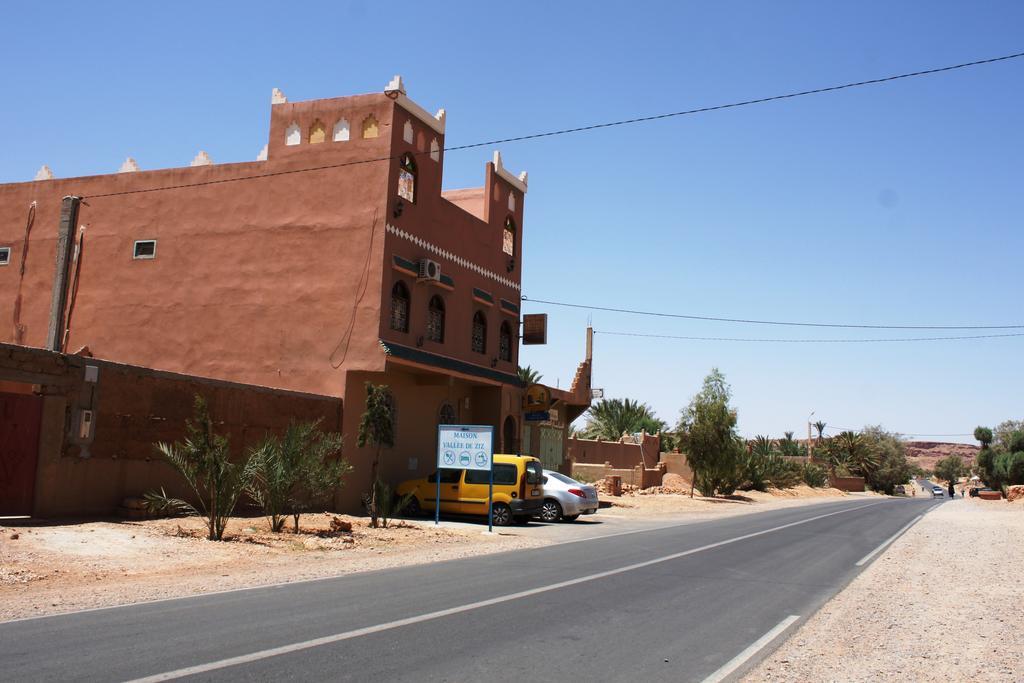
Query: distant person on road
[952,491]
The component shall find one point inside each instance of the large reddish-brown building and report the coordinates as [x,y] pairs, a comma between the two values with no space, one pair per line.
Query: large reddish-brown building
[333,260]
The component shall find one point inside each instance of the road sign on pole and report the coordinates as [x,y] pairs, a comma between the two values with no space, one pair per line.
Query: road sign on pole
[465,447]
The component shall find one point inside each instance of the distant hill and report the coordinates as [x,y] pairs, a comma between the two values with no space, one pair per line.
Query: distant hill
[925,454]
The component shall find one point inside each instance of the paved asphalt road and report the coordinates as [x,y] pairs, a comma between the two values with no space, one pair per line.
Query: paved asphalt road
[677,603]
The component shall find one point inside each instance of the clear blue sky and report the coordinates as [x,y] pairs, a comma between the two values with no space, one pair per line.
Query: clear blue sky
[894,204]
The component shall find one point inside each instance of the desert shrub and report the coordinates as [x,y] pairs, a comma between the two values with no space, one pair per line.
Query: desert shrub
[814,475]
[296,471]
[388,504]
[204,461]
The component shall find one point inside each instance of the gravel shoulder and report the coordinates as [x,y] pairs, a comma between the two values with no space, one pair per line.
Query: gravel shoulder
[55,567]
[943,602]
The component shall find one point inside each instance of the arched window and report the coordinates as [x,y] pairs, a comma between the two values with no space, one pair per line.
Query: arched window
[407,132]
[400,307]
[341,131]
[435,150]
[407,179]
[447,415]
[479,332]
[317,132]
[508,241]
[435,320]
[505,342]
[370,127]
[293,134]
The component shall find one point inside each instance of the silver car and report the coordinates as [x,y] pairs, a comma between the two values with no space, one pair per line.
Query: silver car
[565,498]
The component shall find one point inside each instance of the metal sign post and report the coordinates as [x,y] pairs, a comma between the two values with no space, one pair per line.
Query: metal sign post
[465,447]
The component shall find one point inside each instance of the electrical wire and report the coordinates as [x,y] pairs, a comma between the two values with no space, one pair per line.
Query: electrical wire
[581,129]
[789,323]
[810,341]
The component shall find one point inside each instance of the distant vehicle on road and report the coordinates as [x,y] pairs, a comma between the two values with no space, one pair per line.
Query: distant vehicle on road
[937,492]
[900,490]
[566,499]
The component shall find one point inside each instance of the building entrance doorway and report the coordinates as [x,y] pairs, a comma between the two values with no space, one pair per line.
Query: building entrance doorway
[20,419]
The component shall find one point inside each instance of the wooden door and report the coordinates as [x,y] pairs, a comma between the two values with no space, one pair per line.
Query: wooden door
[20,419]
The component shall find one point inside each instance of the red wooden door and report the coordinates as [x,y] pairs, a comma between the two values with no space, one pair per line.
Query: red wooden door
[20,419]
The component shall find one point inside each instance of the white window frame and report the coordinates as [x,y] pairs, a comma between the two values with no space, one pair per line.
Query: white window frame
[144,257]
[6,251]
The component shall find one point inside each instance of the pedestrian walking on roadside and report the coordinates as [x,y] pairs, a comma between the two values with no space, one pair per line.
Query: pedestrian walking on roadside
[952,491]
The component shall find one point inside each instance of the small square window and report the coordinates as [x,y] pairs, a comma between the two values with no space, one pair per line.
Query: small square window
[5,256]
[145,249]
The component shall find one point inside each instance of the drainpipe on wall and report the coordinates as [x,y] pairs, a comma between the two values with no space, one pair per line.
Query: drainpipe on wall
[58,302]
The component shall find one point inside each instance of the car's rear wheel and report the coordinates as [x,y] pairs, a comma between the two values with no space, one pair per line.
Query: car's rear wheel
[570,518]
[412,508]
[501,514]
[551,511]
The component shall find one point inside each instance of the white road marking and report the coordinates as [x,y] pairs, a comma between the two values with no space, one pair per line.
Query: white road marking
[408,621]
[862,561]
[738,661]
[892,538]
[285,584]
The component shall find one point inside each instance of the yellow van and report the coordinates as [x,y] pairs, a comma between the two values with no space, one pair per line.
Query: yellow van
[518,490]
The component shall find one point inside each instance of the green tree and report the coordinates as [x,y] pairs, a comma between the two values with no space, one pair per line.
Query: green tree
[376,428]
[983,435]
[1003,430]
[708,430]
[820,427]
[611,418]
[528,375]
[296,471]
[764,466]
[1009,468]
[985,463]
[204,460]
[950,469]
[891,466]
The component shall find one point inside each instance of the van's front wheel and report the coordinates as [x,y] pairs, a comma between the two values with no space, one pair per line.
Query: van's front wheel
[501,514]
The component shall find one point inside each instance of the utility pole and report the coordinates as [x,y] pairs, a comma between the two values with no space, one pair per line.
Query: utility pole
[59,300]
[809,452]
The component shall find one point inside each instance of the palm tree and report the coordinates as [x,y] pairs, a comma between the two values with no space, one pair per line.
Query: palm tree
[528,375]
[820,426]
[611,418]
[852,451]
[789,446]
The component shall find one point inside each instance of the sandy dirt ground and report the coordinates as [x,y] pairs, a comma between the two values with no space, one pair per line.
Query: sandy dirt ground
[46,569]
[50,568]
[642,504]
[942,603]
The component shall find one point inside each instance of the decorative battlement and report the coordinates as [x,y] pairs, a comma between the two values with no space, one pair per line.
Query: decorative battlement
[395,90]
[518,183]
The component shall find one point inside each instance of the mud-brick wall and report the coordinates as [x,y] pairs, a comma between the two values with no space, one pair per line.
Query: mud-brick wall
[618,455]
[851,484]
[133,408]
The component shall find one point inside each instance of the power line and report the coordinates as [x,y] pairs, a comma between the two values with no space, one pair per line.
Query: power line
[789,323]
[809,341]
[580,129]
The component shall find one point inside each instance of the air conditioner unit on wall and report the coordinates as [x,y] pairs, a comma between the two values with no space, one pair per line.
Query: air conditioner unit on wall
[430,270]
